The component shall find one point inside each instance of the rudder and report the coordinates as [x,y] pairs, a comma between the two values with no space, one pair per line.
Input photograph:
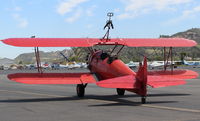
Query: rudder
[141,78]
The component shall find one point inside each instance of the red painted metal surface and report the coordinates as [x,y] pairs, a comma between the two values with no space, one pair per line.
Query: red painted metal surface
[51,42]
[141,78]
[110,71]
[180,74]
[113,74]
[87,42]
[131,82]
[161,81]
[124,82]
[106,70]
[137,83]
[160,42]
[52,78]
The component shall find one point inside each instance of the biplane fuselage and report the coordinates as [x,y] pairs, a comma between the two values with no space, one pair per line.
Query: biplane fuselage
[106,67]
[110,72]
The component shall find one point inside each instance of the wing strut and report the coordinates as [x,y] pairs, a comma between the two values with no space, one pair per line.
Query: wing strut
[167,58]
[37,57]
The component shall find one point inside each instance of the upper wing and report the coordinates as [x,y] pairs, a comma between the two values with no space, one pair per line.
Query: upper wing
[52,78]
[160,42]
[51,42]
[87,42]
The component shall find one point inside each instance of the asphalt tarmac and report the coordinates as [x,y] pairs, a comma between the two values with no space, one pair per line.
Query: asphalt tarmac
[21,102]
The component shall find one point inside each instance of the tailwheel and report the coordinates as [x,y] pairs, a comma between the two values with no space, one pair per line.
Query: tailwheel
[80,89]
[120,92]
[143,99]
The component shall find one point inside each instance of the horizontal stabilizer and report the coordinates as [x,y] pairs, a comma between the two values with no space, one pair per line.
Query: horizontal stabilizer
[180,74]
[52,78]
[87,42]
[160,81]
[124,82]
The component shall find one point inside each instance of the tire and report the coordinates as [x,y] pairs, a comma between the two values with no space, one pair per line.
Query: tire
[143,100]
[120,92]
[80,89]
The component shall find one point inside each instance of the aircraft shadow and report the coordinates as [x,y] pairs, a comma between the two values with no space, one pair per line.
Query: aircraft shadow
[40,100]
[164,95]
[115,100]
[121,101]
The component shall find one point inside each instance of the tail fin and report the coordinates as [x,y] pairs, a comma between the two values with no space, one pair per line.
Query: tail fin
[141,78]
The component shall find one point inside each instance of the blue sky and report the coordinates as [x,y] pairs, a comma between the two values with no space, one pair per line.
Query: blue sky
[86,18]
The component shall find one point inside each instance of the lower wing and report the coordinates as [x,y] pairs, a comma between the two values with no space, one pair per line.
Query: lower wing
[130,82]
[169,78]
[161,81]
[52,78]
[179,74]
[155,79]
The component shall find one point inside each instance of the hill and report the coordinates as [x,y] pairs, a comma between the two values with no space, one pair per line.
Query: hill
[6,61]
[193,34]
[53,56]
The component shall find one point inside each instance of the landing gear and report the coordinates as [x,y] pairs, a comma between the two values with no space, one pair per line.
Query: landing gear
[120,92]
[80,89]
[143,99]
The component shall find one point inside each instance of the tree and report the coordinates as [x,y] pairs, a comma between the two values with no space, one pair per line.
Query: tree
[20,62]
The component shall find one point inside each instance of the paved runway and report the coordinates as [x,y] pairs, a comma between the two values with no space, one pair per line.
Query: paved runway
[20,102]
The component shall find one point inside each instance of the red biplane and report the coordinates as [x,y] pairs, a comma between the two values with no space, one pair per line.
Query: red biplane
[106,70]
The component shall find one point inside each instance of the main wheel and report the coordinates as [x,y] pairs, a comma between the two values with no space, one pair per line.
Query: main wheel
[120,91]
[143,100]
[80,89]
